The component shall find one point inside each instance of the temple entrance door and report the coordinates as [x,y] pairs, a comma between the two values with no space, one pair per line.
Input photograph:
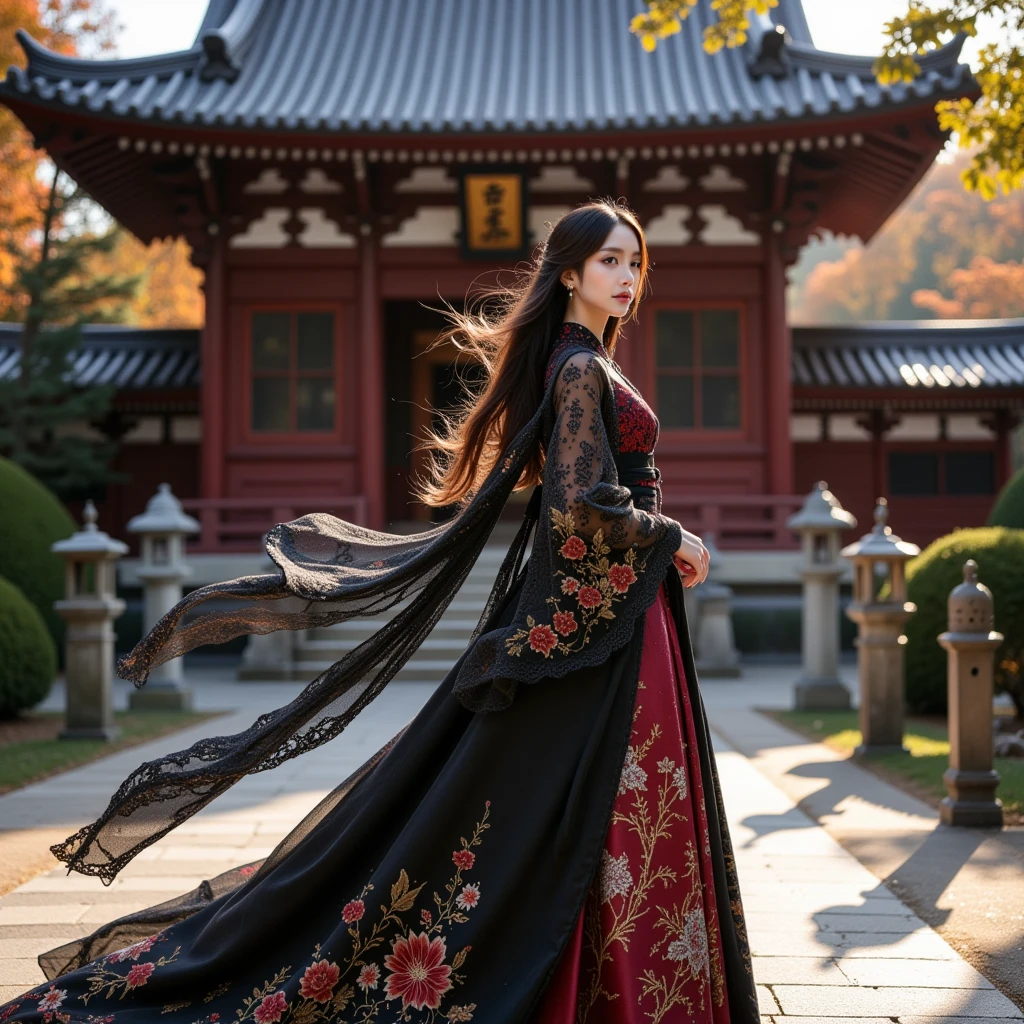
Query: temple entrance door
[436,376]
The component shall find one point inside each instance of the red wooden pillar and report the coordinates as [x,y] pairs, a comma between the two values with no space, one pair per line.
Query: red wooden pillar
[1003,422]
[780,388]
[371,383]
[212,399]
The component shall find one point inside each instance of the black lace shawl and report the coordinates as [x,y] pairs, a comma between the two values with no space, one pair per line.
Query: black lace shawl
[595,566]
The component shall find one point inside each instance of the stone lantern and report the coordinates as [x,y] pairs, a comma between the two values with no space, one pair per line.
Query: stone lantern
[716,654]
[162,529]
[89,607]
[880,636]
[970,642]
[819,524]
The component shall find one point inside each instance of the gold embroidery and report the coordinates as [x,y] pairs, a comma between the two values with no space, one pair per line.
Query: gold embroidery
[592,587]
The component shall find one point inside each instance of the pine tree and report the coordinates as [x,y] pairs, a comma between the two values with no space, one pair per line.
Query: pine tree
[42,409]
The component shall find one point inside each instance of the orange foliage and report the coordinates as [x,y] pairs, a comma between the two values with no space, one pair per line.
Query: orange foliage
[945,253]
[983,290]
[64,26]
[170,291]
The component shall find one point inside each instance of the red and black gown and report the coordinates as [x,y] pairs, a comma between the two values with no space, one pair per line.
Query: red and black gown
[563,860]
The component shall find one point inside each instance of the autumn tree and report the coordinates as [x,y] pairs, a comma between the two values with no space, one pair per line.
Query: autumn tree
[991,127]
[66,26]
[945,253]
[42,409]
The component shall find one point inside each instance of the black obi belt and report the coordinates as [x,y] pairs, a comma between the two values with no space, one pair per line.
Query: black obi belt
[634,468]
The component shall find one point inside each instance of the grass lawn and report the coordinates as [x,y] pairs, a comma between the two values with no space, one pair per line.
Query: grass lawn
[921,772]
[30,750]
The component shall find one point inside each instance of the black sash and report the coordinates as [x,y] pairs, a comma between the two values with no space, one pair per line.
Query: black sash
[635,467]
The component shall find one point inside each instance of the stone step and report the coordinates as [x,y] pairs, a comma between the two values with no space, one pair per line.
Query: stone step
[361,629]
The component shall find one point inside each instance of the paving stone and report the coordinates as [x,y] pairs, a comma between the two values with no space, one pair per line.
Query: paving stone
[24,972]
[58,913]
[804,1000]
[15,949]
[766,1001]
[797,970]
[920,973]
[922,945]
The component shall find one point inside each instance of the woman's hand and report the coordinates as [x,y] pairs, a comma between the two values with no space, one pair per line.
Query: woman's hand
[692,559]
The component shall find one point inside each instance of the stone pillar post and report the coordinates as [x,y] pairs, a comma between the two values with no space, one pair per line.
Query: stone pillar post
[880,636]
[716,654]
[162,528]
[89,608]
[819,524]
[971,643]
[269,656]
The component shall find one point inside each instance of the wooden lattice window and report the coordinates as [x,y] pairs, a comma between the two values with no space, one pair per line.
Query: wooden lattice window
[292,368]
[697,366]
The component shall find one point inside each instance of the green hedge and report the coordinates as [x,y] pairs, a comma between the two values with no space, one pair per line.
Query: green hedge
[999,553]
[28,656]
[1008,509]
[33,518]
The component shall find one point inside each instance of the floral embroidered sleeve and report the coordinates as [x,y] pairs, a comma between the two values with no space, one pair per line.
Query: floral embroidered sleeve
[581,453]
[597,560]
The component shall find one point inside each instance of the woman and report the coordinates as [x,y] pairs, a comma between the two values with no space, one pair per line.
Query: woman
[545,841]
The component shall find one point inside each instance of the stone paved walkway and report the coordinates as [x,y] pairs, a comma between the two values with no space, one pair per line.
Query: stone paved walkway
[830,942]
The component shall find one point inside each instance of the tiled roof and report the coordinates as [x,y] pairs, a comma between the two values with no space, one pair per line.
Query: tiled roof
[471,66]
[924,354]
[932,354]
[129,357]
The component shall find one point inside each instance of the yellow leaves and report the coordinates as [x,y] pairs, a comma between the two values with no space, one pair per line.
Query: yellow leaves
[460,958]
[664,18]
[402,897]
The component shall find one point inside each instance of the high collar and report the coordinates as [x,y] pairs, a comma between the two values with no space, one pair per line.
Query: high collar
[571,330]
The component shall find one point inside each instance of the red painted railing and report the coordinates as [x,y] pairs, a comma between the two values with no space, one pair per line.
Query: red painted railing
[238,524]
[738,521]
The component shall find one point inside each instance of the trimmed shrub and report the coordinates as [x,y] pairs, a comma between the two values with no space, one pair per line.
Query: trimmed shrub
[28,656]
[31,519]
[931,576]
[1008,509]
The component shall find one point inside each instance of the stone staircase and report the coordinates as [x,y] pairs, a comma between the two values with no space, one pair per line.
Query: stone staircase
[319,648]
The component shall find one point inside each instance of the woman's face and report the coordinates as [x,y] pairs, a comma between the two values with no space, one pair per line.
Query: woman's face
[610,276]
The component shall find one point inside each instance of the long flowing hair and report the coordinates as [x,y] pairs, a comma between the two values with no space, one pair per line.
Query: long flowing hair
[511,333]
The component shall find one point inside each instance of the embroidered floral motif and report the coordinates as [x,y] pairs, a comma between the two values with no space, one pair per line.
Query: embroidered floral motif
[656,837]
[419,976]
[595,587]
[633,776]
[133,951]
[416,974]
[352,911]
[615,877]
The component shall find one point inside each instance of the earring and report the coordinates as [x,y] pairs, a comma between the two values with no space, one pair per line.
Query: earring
[570,292]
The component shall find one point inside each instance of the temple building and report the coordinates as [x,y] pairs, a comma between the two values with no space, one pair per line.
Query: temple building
[338,167]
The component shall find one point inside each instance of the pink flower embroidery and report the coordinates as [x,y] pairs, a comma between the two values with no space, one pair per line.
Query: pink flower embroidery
[565,623]
[376,565]
[620,577]
[590,597]
[463,859]
[426,918]
[419,974]
[469,897]
[573,549]
[352,911]
[132,952]
[271,1009]
[249,869]
[542,639]
[319,980]
[215,1017]
[139,975]
[570,585]
[368,977]
[52,999]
